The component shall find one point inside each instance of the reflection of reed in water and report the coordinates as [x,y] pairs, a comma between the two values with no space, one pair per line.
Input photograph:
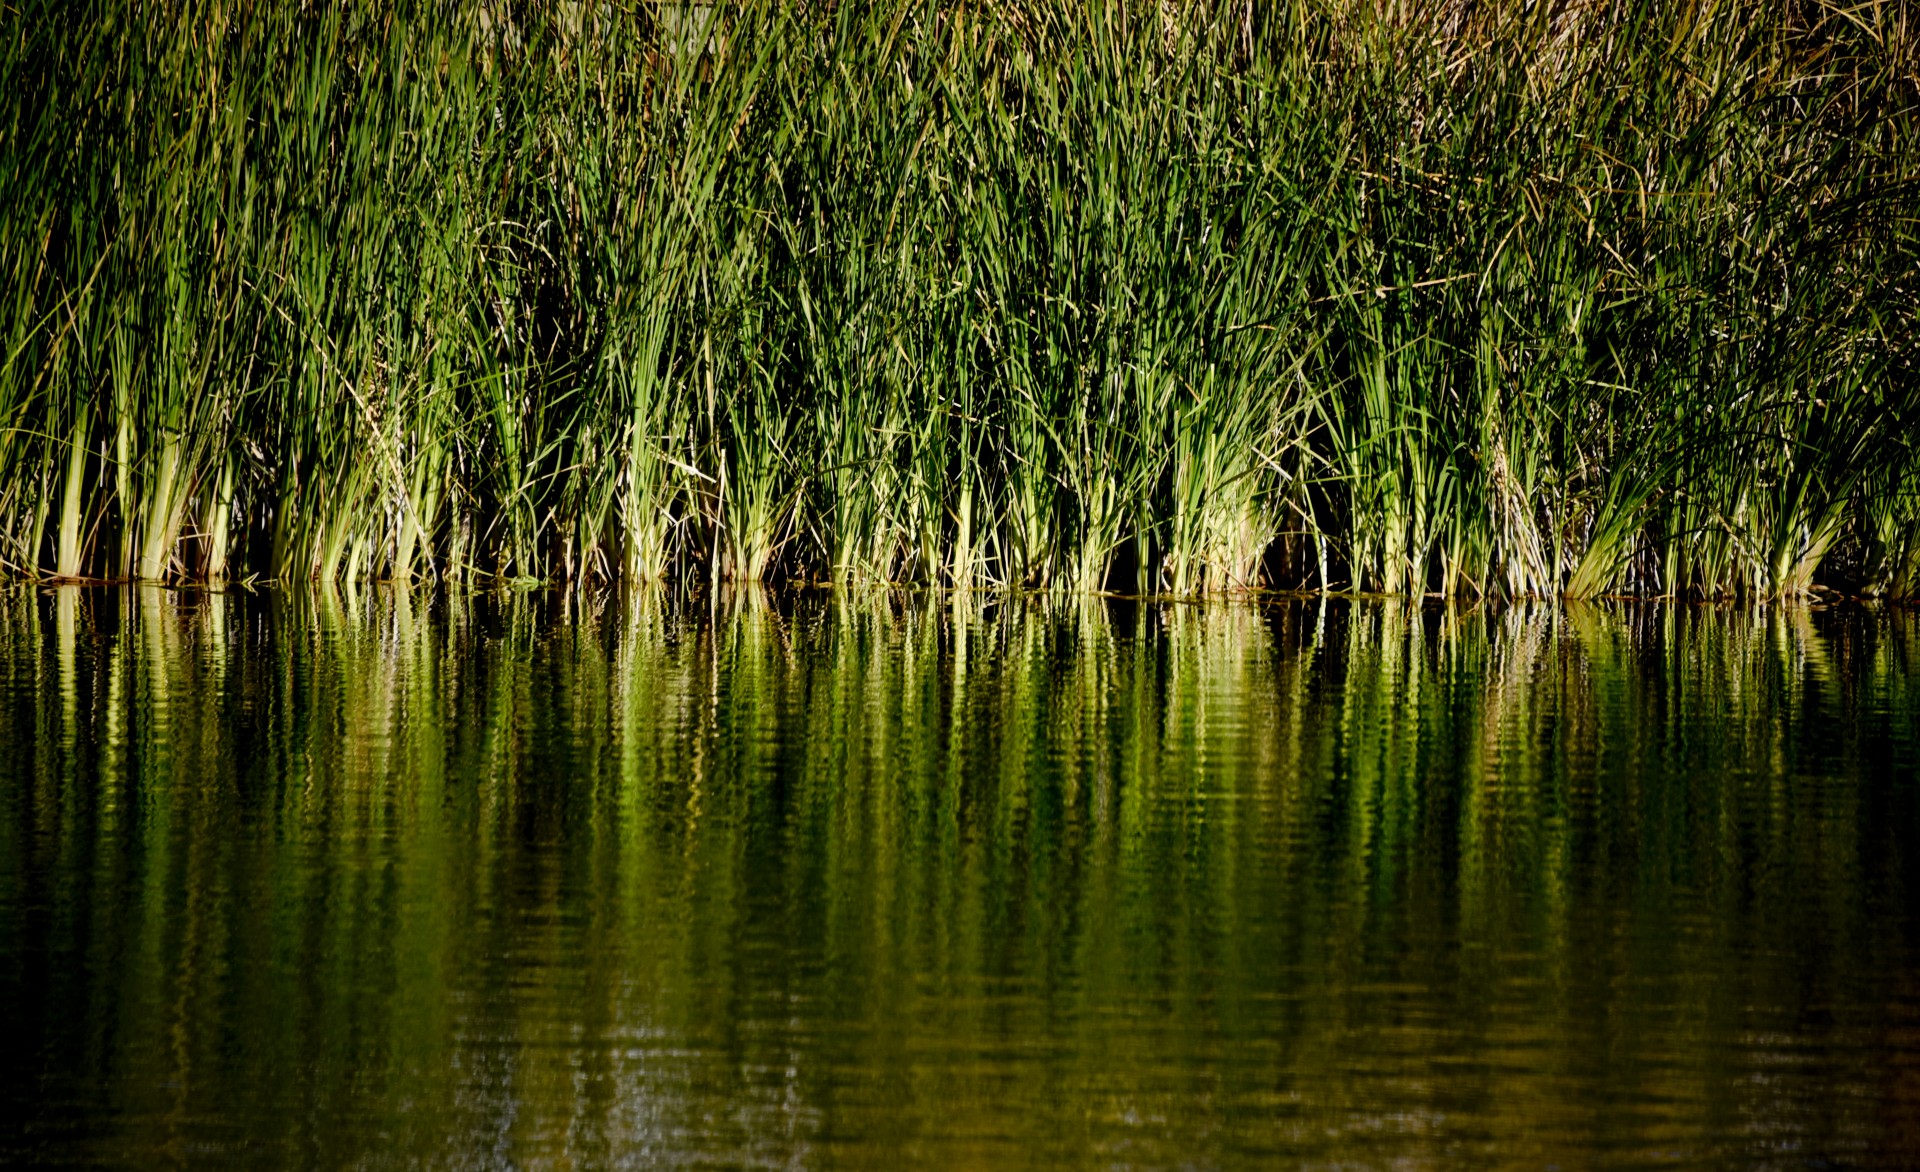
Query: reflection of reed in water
[555,875]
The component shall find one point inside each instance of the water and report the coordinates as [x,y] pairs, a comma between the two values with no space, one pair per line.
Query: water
[532,881]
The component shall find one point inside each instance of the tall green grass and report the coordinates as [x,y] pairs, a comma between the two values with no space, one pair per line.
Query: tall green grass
[1521,300]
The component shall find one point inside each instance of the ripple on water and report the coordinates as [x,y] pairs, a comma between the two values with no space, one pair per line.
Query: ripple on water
[427,879]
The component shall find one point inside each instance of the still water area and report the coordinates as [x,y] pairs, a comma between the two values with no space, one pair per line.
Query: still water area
[565,880]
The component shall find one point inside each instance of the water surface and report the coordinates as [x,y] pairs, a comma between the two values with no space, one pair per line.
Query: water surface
[541,880]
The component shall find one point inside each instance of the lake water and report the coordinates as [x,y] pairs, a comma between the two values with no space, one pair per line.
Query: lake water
[542,880]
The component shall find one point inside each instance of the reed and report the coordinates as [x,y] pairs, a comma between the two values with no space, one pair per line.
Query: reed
[1486,300]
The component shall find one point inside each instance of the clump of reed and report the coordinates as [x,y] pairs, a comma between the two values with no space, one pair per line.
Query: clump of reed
[1519,300]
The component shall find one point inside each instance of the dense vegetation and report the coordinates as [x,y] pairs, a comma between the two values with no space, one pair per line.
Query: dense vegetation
[1475,298]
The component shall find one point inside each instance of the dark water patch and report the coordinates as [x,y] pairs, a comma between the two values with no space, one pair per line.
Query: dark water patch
[535,880]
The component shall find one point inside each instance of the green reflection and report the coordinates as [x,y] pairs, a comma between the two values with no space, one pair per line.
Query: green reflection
[590,879]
